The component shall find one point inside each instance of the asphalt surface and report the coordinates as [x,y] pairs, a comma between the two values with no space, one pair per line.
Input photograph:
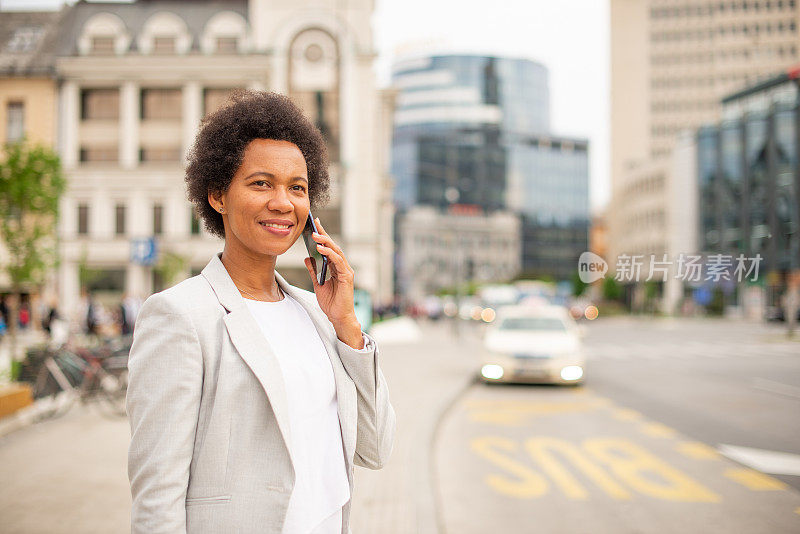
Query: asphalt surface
[645,446]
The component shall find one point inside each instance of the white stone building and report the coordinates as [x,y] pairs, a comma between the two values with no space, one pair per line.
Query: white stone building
[135,81]
[437,248]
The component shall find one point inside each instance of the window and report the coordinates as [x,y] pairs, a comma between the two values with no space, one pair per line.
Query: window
[195,227]
[158,217]
[120,219]
[15,121]
[99,154]
[102,46]
[25,39]
[100,104]
[83,219]
[227,45]
[161,104]
[213,99]
[160,154]
[164,45]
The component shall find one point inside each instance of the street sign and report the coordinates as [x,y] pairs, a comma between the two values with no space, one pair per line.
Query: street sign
[144,251]
[702,296]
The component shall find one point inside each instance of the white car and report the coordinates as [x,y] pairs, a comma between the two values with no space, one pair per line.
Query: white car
[533,344]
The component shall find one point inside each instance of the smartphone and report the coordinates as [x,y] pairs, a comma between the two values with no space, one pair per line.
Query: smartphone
[320,261]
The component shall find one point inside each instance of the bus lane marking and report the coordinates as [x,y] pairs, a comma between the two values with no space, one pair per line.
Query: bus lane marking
[626,414]
[754,480]
[657,430]
[615,465]
[517,413]
[697,450]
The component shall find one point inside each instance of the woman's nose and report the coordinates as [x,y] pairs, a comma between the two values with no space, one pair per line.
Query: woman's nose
[280,201]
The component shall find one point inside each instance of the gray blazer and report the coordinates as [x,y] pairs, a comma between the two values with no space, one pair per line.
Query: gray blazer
[208,415]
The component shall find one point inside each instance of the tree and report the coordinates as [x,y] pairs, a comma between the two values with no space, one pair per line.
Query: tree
[31,185]
[611,289]
[578,285]
[169,266]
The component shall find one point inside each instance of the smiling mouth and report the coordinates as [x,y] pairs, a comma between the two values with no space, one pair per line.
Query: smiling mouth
[278,226]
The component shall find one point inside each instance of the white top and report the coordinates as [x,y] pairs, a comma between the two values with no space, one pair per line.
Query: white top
[321,486]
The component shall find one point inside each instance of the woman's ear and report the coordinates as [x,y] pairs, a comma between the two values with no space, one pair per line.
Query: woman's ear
[216,201]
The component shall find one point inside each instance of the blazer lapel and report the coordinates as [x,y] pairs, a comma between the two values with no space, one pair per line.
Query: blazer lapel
[249,341]
[254,349]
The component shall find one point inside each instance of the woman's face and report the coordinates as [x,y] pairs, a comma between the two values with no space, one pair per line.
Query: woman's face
[270,188]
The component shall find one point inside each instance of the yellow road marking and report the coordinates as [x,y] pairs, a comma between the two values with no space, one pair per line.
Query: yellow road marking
[797,510]
[543,451]
[517,413]
[626,414]
[524,483]
[636,467]
[614,465]
[754,480]
[658,430]
[697,450]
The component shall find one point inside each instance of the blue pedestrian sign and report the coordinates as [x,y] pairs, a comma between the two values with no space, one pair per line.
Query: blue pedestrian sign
[702,296]
[143,251]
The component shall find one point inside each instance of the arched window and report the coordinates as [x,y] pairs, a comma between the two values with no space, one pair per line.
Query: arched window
[314,82]
[225,33]
[104,34]
[164,33]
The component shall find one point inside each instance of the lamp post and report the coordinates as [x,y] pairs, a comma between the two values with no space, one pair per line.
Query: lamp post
[451,195]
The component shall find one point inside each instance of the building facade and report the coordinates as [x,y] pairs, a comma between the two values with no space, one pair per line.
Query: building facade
[671,65]
[748,182]
[467,245]
[28,90]
[134,82]
[475,130]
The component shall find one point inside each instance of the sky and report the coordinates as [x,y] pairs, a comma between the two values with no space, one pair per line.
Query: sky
[569,37]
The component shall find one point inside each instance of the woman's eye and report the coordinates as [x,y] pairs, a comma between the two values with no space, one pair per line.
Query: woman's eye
[301,187]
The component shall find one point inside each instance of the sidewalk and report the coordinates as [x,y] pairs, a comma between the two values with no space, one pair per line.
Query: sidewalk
[424,377]
[69,475]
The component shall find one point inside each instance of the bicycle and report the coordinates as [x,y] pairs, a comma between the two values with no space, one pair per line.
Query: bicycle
[68,374]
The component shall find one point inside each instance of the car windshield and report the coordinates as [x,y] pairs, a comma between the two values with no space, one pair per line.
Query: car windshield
[548,324]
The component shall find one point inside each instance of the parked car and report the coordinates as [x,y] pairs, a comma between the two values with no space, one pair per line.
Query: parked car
[533,344]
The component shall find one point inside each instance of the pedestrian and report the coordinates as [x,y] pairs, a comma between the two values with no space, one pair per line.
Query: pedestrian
[24,315]
[50,314]
[130,310]
[92,315]
[4,308]
[251,399]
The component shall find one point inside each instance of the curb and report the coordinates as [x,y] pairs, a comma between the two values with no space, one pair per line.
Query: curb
[438,503]
[25,417]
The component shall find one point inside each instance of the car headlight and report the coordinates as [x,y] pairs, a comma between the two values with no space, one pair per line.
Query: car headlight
[492,371]
[572,372]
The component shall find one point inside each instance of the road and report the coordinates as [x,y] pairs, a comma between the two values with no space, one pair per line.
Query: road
[646,446]
[668,435]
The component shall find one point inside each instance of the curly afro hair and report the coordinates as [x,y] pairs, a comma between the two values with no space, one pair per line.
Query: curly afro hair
[219,148]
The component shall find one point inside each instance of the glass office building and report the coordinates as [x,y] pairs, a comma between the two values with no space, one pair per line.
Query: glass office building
[749,180]
[480,126]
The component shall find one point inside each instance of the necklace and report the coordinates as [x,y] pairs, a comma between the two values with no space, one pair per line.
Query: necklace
[256,298]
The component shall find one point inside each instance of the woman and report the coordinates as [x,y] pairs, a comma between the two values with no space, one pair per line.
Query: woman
[250,399]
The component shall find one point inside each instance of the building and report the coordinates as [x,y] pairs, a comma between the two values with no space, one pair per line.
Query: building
[445,249]
[135,79]
[748,179]
[27,77]
[28,94]
[671,65]
[475,130]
